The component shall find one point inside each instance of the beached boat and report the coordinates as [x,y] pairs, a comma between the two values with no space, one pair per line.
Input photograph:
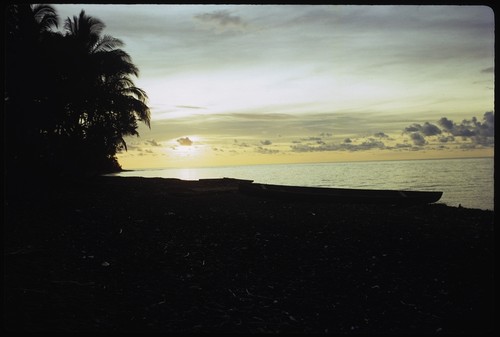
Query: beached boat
[341,195]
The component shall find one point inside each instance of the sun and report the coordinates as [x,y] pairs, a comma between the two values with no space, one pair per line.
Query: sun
[189,146]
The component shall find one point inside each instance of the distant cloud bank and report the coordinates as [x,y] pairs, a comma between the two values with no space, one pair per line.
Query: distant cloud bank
[477,133]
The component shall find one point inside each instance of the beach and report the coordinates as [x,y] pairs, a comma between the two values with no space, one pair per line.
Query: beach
[115,254]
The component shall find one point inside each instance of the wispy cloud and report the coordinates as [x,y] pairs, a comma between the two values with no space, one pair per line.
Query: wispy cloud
[368,144]
[263,150]
[189,107]
[221,21]
[153,142]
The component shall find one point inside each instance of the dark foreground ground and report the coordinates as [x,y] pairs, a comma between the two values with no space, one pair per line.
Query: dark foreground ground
[159,255]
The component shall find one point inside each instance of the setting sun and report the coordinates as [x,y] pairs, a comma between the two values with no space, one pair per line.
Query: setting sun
[185,147]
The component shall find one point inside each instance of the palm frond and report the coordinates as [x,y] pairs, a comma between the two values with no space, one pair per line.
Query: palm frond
[135,92]
[123,143]
[123,82]
[71,26]
[130,108]
[116,62]
[46,16]
[107,43]
[93,29]
[142,112]
[85,29]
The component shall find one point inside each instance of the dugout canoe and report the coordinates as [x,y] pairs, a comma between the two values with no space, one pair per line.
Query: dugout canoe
[341,195]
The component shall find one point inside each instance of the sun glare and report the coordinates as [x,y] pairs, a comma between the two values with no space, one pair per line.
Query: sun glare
[186,151]
[186,147]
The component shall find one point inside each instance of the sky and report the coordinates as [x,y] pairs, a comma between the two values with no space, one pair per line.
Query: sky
[264,84]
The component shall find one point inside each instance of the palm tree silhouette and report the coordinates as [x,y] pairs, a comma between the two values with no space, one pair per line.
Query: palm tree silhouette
[28,28]
[109,104]
[82,100]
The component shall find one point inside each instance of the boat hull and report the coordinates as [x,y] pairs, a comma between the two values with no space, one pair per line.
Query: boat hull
[341,195]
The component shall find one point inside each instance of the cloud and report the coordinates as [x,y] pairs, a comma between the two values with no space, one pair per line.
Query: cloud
[489,118]
[312,139]
[370,144]
[418,139]
[427,129]
[413,128]
[185,141]
[446,139]
[480,132]
[403,146]
[221,20]
[153,142]
[189,107]
[446,123]
[345,146]
[262,150]
[418,132]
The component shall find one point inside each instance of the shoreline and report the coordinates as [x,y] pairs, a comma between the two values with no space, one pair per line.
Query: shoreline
[116,254]
[459,188]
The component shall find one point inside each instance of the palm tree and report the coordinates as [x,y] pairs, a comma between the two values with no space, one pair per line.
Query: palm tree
[70,98]
[28,28]
[31,21]
[106,104]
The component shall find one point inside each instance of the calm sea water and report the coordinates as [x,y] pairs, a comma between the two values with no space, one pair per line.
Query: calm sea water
[469,182]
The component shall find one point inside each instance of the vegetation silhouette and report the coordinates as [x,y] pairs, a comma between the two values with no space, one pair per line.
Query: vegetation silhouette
[69,97]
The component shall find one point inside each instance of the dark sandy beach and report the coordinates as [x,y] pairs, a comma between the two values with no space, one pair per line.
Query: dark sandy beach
[163,255]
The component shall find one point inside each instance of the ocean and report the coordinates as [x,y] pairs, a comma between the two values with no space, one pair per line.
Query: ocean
[466,182]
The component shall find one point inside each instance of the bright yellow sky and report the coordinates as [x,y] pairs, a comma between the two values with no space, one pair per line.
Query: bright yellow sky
[236,85]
